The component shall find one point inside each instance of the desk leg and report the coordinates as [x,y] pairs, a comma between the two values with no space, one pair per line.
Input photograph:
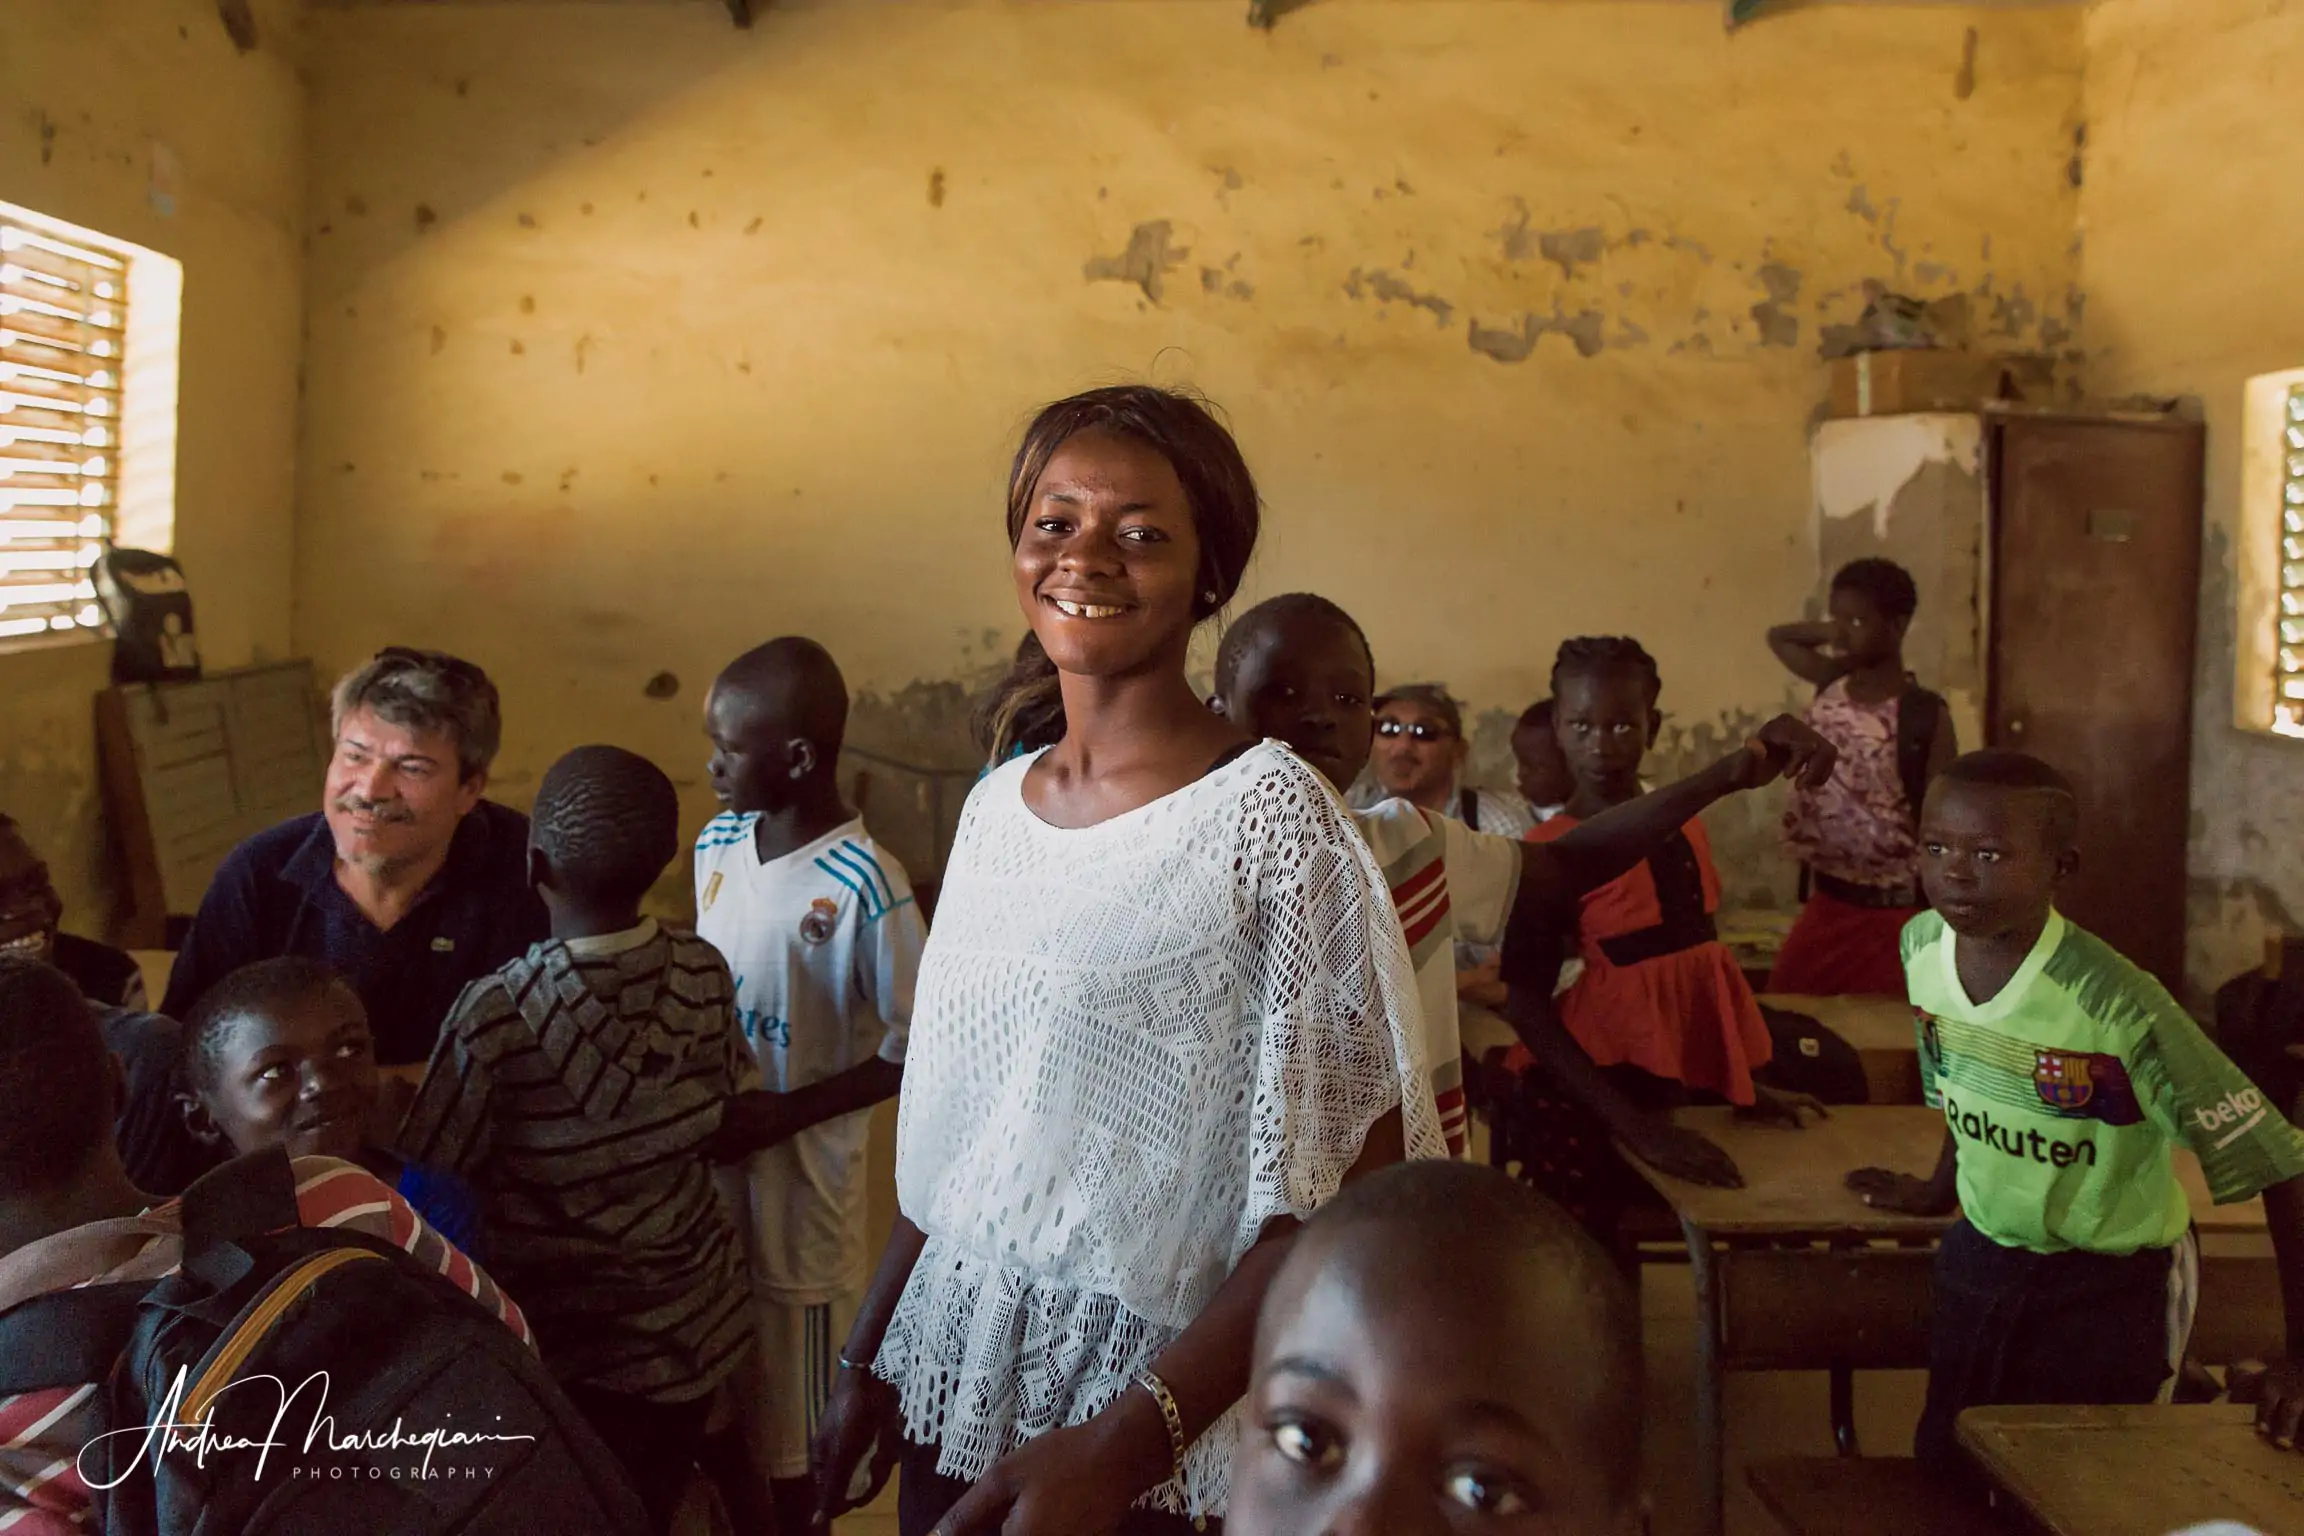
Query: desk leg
[1711,1432]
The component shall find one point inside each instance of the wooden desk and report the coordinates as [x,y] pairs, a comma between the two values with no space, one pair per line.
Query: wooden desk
[2138,1471]
[1881,1030]
[1793,1272]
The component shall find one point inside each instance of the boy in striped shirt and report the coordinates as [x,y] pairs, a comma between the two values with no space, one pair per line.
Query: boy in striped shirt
[70,1217]
[1299,669]
[819,925]
[578,1089]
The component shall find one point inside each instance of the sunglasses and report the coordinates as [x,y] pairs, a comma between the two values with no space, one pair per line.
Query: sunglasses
[1421,730]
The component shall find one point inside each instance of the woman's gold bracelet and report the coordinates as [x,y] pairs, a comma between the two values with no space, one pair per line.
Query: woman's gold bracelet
[1173,1417]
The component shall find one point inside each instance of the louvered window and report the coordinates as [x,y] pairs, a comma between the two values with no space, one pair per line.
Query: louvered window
[2288,674]
[65,383]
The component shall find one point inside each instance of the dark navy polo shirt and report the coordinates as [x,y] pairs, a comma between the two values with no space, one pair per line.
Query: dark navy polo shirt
[276,894]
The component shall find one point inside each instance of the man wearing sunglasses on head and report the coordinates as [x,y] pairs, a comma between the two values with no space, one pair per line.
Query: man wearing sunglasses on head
[406,880]
[1419,756]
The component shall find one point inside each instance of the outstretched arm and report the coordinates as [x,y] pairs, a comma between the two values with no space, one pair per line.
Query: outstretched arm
[763,1117]
[1599,850]
[1801,648]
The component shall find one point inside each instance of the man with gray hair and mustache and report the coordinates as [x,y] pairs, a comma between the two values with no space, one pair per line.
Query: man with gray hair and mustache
[406,881]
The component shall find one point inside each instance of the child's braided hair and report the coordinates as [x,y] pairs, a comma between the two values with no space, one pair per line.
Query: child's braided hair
[1597,655]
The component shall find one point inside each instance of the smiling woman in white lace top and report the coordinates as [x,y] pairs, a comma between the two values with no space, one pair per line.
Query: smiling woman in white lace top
[1165,1012]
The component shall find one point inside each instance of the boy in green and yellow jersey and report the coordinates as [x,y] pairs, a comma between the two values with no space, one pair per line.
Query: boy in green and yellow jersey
[2067,1078]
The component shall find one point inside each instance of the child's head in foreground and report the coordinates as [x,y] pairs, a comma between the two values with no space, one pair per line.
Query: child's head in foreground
[1296,668]
[1998,834]
[605,825]
[1444,1350]
[278,1053]
[776,718]
[61,1086]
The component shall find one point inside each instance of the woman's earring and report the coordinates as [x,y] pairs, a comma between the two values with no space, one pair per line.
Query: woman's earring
[1209,597]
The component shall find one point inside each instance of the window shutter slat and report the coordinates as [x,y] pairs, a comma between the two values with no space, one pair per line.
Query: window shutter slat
[63,318]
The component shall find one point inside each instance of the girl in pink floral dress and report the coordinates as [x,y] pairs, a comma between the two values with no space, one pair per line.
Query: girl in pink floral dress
[1856,836]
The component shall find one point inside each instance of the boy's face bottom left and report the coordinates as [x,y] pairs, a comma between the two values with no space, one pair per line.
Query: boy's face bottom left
[1382,1404]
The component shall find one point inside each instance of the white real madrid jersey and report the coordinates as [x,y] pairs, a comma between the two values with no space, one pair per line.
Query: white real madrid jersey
[824,944]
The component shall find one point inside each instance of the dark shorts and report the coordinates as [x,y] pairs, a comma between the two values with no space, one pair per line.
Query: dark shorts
[2013,1326]
[656,1442]
[925,1495]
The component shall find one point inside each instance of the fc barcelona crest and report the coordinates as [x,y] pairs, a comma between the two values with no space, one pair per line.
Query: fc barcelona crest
[817,926]
[2064,1078]
[2086,1085]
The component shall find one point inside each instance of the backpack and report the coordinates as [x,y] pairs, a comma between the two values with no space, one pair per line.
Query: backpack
[1918,713]
[1811,1058]
[145,599]
[406,1363]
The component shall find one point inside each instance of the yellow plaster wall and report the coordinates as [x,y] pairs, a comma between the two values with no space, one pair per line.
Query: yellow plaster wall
[2189,269]
[634,339]
[92,89]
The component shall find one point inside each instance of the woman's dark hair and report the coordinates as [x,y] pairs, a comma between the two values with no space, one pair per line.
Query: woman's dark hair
[1226,513]
[1888,585]
[1596,655]
[1024,711]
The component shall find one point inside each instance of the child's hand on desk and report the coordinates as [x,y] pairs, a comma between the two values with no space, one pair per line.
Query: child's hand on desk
[1778,1106]
[1680,1153]
[751,1122]
[2278,1393]
[1885,1189]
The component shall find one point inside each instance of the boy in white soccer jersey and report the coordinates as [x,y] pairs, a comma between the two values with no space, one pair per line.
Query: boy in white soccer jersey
[820,929]
[2067,1078]
[1298,668]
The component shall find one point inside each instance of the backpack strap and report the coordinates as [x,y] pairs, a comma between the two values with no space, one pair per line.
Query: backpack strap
[1468,807]
[1918,713]
[67,1338]
[245,1198]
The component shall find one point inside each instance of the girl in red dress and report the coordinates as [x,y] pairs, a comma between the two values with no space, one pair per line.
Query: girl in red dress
[1661,1001]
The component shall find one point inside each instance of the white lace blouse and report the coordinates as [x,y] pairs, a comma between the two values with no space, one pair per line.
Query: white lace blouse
[1133,1044]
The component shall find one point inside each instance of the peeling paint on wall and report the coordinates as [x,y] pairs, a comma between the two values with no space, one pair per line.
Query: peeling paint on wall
[1391,289]
[881,351]
[1911,489]
[1779,327]
[1569,249]
[1146,262]
[1586,330]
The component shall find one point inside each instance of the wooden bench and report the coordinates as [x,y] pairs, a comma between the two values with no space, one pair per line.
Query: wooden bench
[1871,1496]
